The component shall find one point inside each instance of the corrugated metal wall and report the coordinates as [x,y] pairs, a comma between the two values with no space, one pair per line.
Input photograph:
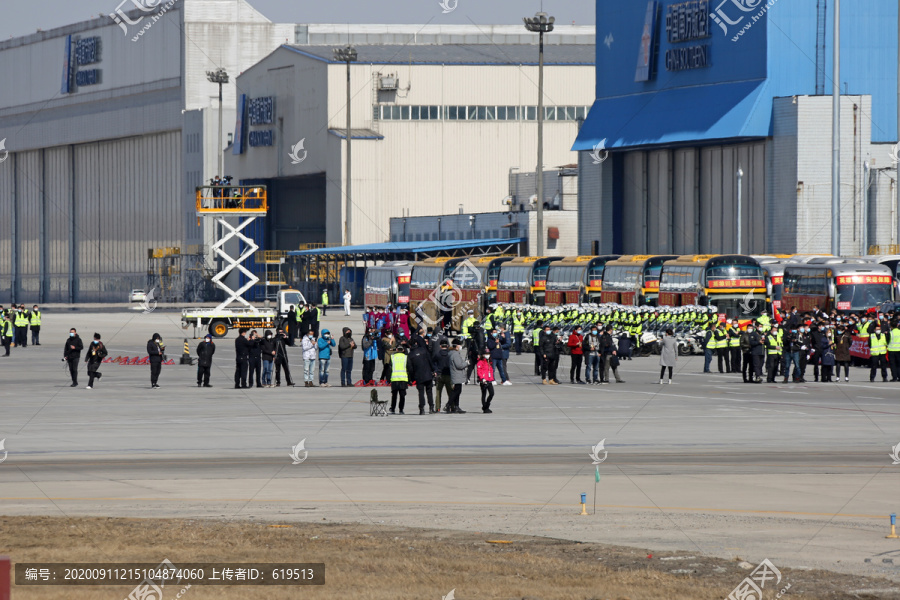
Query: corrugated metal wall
[127,198]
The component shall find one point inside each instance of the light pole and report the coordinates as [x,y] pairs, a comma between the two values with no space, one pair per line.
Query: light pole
[836,137]
[219,76]
[740,177]
[540,24]
[348,55]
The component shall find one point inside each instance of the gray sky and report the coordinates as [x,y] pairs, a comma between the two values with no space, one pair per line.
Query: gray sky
[21,17]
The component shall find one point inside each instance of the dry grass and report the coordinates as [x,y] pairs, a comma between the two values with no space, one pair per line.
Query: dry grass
[364,562]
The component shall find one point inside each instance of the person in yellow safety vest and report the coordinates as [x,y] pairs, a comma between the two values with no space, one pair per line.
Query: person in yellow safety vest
[488,324]
[35,326]
[6,332]
[536,346]
[469,322]
[863,328]
[878,345]
[734,346]
[773,355]
[721,345]
[894,351]
[324,301]
[765,324]
[399,379]
[21,327]
[518,330]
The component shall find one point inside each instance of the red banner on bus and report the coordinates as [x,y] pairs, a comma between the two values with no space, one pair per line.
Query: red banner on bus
[652,285]
[778,280]
[737,283]
[595,283]
[856,279]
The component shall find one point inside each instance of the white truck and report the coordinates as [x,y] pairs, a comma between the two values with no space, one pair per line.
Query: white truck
[218,321]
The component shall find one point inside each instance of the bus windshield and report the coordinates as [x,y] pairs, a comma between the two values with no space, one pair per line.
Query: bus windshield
[621,278]
[540,275]
[739,307]
[565,278]
[652,274]
[427,277]
[514,278]
[721,272]
[862,296]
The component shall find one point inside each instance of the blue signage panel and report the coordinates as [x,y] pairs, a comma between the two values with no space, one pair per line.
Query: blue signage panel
[261,110]
[644,70]
[240,127]
[67,67]
[262,138]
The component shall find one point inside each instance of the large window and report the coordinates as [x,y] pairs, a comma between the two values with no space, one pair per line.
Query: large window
[539,274]
[862,296]
[565,277]
[427,277]
[378,279]
[393,112]
[621,278]
[806,282]
[518,277]
[680,279]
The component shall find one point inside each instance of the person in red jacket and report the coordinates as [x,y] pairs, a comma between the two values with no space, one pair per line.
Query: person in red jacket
[485,372]
[576,339]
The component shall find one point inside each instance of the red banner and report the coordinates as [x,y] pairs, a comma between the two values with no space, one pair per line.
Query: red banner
[403,279]
[856,279]
[595,283]
[652,285]
[540,284]
[860,347]
[737,283]
[778,280]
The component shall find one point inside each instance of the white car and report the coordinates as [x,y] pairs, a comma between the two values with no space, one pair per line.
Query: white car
[137,296]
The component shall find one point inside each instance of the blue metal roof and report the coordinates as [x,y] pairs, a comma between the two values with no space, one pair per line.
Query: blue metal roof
[678,115]
[408,247]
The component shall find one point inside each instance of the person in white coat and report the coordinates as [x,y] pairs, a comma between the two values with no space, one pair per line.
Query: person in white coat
[669,354]
[347,303]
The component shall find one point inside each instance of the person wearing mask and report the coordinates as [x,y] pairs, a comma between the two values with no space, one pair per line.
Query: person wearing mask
[709,348]
[291,324]
[388,346]
[156,350]
[843,340]
[281,359]
[894,350]
[316,320]
[815,349]
[878,343]
[324,345]
[536,335]
[721,344]
[505,345]
[306,320]
[399,380]
[494,350]
[549,355]
[255,360]
[773,353]
[576,339]
[793,347]
[324,302]
[21,322]
[72,354]
[35,326]
[422,371]
[518,330]
[458,366]
[734,346]
[95,355]
[794,319]
[827,354]
[205,351]
[241,359]
[668,355]
[347,298]
[7,332]
[803,335]
[591,352]
[757,347]
[609,356]
[442,374]
[485,374]
[310,353]
[346,349]
[370,355]
[267,350]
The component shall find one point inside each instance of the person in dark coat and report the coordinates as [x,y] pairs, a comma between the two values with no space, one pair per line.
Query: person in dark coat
[815,349]
[242,359]
[346,347]
[205,351]
[442,372]
[255,359]
[291,324]
[267,350]
[72,354]
[625,347]
[422,370]
[95,355]
[281,359]
[550,347]
[155,350]
[842,342]
[756,343]
[827,353]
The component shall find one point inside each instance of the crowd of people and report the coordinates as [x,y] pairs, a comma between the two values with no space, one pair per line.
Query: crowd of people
[15,322]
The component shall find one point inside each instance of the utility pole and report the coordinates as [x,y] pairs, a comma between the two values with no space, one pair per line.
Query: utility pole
[836,136]
[740,177]
[348,55]
[219,76]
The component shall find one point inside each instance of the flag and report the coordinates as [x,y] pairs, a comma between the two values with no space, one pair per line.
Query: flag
[597,474]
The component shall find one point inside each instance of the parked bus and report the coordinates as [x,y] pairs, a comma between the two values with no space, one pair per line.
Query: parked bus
[489,267]
[388,283]
[634,280]
[734,283]
[845,285]
[774,267]
[428,288]
[568,279]
[523,280]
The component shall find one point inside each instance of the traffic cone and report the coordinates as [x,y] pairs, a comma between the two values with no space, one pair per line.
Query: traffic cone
[186,355]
